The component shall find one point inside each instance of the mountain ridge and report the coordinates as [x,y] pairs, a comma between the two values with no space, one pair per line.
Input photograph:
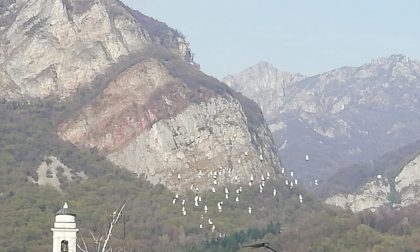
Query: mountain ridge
[344,105]
[128,87]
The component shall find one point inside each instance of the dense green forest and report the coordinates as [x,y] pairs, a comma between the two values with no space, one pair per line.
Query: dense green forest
[153,222]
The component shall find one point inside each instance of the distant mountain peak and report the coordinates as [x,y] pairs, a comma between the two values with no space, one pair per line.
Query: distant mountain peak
[393,60]
[343,115]
[264,80]
[264,64]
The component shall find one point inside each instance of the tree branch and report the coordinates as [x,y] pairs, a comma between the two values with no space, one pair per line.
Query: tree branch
[99,240]
[113,222]
[84,244]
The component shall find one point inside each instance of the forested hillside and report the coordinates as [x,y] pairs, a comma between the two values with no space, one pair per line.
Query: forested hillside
[153,223]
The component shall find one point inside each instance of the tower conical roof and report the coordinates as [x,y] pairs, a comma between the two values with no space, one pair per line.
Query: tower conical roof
[65,210]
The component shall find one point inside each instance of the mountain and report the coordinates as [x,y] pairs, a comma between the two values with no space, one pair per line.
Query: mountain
[266,85]
[390,181]
[100,104]
[53,48]
[346,116]
[130,89]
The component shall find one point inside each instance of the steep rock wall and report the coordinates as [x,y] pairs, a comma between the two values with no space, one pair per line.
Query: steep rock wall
[371,196]
[377,193]
[407,183]
[54,47]
[152,123]
[209,137]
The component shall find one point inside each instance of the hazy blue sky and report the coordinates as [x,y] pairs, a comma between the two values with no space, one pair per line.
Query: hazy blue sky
[308,37]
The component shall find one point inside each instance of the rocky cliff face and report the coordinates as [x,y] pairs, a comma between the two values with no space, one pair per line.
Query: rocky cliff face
[407,183]
[266,85]
[378,192]
[156,115]
[372,195]
[52,172]
[54,47]
[345,116]
[154,124]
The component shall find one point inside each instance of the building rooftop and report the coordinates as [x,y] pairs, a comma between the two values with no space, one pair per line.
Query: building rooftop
[65,210]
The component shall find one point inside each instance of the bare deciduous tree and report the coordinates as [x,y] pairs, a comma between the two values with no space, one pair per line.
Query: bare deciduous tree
[101,242]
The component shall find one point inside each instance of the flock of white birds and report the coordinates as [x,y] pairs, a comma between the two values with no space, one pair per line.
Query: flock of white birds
[198,202]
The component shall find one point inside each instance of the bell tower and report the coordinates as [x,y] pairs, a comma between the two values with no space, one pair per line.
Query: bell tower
[64,230]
